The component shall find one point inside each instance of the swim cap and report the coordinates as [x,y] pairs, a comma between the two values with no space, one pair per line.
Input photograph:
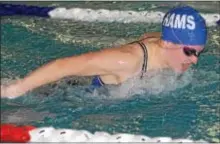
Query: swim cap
[184,25]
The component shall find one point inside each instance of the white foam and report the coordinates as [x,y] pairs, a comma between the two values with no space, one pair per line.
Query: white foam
[104,15]
[152,83]
[49,134]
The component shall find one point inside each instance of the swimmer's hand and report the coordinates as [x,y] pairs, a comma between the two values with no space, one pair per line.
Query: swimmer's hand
[11,91]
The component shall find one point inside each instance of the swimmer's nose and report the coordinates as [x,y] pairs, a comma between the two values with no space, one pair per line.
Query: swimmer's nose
[194,59]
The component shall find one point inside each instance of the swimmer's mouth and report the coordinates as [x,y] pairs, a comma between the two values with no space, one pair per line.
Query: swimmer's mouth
[185,66]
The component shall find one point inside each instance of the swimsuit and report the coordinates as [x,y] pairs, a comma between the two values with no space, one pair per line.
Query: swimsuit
[97,82]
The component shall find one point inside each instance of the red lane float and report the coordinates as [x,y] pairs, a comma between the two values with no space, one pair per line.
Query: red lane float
[17,134]
[25,134]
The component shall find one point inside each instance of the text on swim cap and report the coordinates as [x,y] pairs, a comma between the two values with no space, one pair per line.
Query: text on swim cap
[179,21]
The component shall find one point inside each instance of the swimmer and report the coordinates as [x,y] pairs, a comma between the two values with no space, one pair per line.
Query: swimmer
[177,47]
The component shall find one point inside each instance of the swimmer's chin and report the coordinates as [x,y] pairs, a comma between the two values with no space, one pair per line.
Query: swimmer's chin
[181,70]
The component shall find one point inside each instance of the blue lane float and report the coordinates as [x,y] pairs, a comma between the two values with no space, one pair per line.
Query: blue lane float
[12,9]
[90,15]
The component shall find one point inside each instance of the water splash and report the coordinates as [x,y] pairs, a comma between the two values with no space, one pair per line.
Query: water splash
[161,82]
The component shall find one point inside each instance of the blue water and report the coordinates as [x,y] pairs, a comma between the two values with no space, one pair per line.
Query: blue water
[187,108]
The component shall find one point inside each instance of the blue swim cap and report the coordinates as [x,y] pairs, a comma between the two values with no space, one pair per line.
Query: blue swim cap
[184,25]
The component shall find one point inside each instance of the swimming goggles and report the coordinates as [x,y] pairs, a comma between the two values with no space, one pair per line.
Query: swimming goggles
[190,51]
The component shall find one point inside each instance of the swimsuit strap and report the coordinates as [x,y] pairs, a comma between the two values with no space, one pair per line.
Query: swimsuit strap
[97,80]
[144,48]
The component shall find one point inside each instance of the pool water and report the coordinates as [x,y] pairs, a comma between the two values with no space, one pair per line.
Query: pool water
[188,107]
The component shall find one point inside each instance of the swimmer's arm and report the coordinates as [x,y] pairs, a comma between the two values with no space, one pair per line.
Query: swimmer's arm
[96,63]
[151,35]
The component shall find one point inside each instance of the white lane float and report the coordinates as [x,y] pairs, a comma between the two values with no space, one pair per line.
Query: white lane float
[24,134]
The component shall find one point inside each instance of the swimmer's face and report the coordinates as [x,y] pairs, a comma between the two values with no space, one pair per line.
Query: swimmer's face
[182,57]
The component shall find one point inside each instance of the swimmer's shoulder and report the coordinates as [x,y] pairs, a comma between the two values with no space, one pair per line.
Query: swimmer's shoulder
[151,40]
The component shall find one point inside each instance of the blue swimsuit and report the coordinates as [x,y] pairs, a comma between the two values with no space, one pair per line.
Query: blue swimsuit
[97,82]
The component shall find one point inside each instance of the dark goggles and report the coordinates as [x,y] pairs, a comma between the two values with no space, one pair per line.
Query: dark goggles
[190,51]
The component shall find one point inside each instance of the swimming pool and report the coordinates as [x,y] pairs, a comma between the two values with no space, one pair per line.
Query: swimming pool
[162,106]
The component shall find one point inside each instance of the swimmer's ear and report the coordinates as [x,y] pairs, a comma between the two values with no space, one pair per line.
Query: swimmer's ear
[166,44]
